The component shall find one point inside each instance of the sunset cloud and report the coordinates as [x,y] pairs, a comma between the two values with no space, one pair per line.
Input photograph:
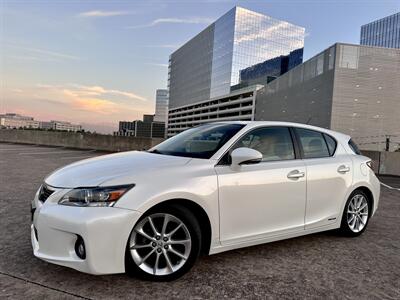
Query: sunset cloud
[100,106]
[77,90]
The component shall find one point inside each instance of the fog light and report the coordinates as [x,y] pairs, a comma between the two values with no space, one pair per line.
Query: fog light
[80,247]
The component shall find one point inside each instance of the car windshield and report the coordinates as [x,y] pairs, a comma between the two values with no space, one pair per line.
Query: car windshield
[198,142]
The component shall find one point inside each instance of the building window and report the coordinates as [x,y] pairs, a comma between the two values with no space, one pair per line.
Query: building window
[349,56]
[331,62]
[320,64]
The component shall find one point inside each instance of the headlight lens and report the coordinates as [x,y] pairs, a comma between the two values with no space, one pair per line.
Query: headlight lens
[98,196]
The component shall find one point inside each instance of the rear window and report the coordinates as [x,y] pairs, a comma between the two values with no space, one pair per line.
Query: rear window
[353,146]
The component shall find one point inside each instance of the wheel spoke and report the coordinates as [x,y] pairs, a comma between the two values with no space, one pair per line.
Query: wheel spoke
[175,230]
[166,220]
[352,218]
[360,200]
[177,253]
[179,242]
[155,268]
[152,226]
[361,220]
[141,232]
[169,264]
[364,214]
[363,206]
[140,246]
[147,256]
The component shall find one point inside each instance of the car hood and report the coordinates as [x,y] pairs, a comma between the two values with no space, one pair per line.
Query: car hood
[97,171]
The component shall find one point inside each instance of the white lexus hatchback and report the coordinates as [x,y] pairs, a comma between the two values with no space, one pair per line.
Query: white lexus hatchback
[212,188]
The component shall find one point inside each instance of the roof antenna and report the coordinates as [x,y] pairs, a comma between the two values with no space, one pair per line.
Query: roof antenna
[309,120]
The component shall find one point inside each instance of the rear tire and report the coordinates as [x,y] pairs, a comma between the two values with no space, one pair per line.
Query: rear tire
[356,214]
[164,244]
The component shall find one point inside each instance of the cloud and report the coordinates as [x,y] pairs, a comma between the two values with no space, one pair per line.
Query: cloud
[98,91]
[100,106]
[102,13]
[44,54]
[193,20]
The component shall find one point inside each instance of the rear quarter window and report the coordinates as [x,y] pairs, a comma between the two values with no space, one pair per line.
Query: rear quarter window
[353,146]
[331,142]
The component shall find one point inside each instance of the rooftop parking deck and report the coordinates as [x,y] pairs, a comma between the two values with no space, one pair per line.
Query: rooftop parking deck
[321,265]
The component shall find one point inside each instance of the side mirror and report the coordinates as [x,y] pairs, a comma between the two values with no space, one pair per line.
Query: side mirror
[245,155]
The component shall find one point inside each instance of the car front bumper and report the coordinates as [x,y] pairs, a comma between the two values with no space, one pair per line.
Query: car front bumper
[105,231]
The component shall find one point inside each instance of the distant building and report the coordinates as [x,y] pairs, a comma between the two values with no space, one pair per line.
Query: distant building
[384,32]
[146,128]
[209,64]
[161,106]
[60,125]
[12,120]
[349,88]
[236,106]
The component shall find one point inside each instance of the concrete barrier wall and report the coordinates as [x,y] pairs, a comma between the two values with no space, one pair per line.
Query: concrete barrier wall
[389,163]
[385,163]
[77,140]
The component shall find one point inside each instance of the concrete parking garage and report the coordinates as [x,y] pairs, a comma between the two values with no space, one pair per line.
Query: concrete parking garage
[318,266]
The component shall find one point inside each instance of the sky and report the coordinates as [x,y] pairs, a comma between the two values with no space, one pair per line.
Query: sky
[98,62]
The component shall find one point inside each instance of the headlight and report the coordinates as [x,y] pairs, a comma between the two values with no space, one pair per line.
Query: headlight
[98,196]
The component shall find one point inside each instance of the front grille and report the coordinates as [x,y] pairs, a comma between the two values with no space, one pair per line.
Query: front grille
[45,193]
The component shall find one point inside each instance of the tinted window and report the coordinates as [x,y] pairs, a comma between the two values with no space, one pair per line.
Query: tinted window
[275,143]
[313,143]
[330,141]
[354,147]
[198,142]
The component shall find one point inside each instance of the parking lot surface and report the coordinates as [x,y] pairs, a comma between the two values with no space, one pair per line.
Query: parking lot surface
[321,265]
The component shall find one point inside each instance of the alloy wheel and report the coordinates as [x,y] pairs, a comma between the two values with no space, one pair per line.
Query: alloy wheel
[357,213]
[160,244]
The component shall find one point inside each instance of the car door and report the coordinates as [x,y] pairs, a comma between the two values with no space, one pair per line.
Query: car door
[264,199]
[329,177]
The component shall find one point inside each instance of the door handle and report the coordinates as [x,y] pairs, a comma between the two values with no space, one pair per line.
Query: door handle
[295,174]
[343,169]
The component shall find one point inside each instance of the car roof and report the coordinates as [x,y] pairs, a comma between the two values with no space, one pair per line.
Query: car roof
[253,124]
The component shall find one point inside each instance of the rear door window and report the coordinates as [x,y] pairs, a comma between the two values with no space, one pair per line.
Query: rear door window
[313,143]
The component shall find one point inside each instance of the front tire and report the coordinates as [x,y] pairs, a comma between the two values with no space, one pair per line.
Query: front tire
[356,214]
[164,244]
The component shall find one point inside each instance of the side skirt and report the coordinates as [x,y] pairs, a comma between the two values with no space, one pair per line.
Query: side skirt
[274,238]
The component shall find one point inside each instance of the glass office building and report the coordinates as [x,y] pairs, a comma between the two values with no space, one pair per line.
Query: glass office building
[384,32]
[161,110]
[210,63]
[270,69]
